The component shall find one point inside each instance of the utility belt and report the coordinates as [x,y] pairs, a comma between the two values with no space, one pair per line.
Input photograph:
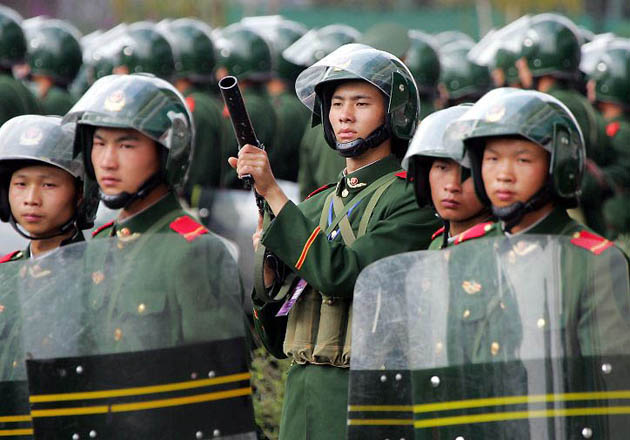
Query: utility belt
[319,325]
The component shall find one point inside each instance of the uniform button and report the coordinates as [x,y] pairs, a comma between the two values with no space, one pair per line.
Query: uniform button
[1,308]
[329,301]
[117,335]
[487,228]
[439,347]
[502,305]
[15,364]
[576,235]
[125,232]
[541,323]
[466,314]
[141,308]
[344,193]
[494,348]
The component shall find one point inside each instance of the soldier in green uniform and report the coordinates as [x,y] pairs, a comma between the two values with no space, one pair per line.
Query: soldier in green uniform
[194,72]
[45,197]
[15,98]
[159,283]
[319,165]
[54,58]
[424,63]
[461,80]
[549,62]
[608,86]
[244,53]
[311,254]
[440,173]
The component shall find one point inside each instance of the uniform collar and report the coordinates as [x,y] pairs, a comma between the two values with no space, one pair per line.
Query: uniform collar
[552,223]
[352,183]
[141,221]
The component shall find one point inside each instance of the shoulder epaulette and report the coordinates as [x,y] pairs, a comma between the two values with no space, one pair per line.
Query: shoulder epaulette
[438,232]
[8,257]
[475,232]
[190,102]
[320,189]
[100,228]
[592,242]
[612,129]
[188,228]
[401,174]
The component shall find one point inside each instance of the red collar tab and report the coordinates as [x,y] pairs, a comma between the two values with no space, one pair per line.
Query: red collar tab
[8,257]
[190,102]
[592,242]
[188,228]
[100,228]
[475,232]
[438,232]
[320,189]
[401,174]
[612,129]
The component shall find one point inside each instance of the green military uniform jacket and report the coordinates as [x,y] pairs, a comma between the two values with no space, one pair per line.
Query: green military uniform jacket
[178,318]
[583,336]
[316,395]
[319,164]
[15,99]
[56,102]
[292,117]
[263,118]
[205,164]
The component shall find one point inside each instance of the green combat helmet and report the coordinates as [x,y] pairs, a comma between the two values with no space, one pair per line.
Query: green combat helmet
[499,50]
[317,43]
[244,53]
[144,103]
[551,46]
[430,142]
[539,118]
[280,33]
[193,49]
[592,51]
[103,51]
[612,74]
[53,49]
[383,70]
[423,61]
[43,140]
[448,37]
[12,41]
[462,79]
[142,49]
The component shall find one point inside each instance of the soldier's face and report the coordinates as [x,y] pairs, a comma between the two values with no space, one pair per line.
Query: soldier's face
[453,199]
[357,109]
[42,198]
[513,170]
[123,159]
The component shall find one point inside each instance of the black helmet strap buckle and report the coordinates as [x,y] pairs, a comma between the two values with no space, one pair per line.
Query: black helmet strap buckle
[67,226]
[511,215]
[359,146]
[124,199]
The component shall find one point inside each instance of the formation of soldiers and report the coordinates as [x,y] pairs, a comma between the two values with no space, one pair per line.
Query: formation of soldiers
[399,142]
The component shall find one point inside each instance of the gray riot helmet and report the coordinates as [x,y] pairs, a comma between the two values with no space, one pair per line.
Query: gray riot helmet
[381,69]
[144,103]
[30,140]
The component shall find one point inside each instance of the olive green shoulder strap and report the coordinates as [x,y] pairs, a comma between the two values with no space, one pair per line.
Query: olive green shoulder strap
[367,214]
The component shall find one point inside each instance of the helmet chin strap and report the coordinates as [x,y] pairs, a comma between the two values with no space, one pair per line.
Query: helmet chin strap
[359,146]
[67,226]
[124,199]
[511,215]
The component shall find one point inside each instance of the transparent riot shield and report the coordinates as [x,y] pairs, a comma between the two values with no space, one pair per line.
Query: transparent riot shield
[526,337]
[233,214]
[15,420]
[135,337]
